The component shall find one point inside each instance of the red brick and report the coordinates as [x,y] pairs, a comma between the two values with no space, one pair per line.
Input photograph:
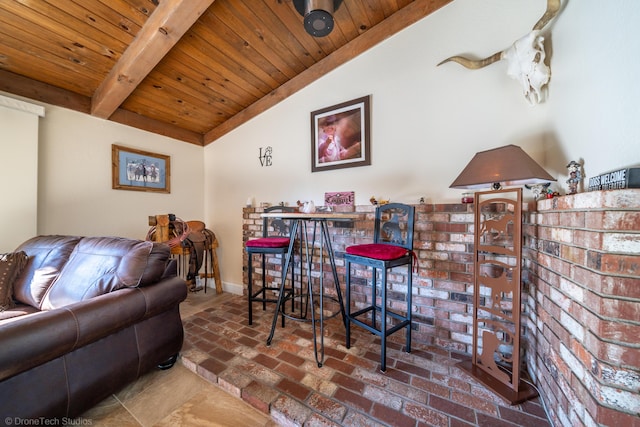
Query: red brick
[451,408]
[290,372]
[424,414]
[609,417]
[621,220]
[327,407]
[574,254]
[348,382]
[469,400]
[291,358]
[338,365]
[621,264]
[293,388]
[353,399]
[587,239]
[391,416]
[211,366]
[259,396]
[603,350]
[488,420]
[572,219]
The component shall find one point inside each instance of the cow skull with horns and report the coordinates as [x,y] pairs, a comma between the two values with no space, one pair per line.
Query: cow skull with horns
[525,58]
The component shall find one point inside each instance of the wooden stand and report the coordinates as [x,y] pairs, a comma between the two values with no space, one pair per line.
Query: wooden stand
[210,262]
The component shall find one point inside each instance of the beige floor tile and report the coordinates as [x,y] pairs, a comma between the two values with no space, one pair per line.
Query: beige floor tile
[215,409]
[177,396]
[164,394]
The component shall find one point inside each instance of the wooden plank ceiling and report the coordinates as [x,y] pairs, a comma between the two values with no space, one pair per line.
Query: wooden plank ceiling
[189,69]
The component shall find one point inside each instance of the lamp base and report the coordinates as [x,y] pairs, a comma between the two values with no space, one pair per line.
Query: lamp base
[524,393]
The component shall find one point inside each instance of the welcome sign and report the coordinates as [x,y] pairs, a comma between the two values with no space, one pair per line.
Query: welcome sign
[622,178]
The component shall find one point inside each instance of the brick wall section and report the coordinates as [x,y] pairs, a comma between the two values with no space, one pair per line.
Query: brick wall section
[581,298]
[442,286]
[583,306]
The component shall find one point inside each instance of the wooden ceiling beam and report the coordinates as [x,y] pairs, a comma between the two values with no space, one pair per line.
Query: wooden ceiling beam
[32,89]
[400,20]
[164,28]
[43,92]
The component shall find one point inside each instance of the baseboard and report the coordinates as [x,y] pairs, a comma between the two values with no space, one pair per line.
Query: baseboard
[232,288]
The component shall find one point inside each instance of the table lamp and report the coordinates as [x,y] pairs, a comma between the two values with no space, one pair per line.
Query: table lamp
[497,263]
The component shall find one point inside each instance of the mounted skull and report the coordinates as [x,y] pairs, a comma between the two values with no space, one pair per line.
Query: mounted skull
[525,58]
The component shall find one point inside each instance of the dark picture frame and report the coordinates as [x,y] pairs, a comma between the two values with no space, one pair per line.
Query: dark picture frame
[341,135]
[139,170]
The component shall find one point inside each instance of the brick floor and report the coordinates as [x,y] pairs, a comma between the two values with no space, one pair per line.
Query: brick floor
[421,388]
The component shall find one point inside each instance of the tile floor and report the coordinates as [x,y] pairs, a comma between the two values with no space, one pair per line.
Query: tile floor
[175,397]
[421,388]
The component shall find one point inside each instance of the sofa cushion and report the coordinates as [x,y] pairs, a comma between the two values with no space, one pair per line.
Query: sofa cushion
[15,312]
[99,265]
[47,255]
[11,264]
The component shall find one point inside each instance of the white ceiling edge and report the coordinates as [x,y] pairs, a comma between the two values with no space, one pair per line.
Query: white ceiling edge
[21,106]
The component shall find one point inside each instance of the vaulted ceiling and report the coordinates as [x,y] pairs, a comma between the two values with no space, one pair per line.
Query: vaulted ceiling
[190,69]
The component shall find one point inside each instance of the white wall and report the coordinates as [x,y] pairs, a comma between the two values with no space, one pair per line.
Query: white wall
[18,171]
[75,194]
[62,177]
[428,121]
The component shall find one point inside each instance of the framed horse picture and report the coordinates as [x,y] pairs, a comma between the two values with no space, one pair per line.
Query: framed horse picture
[139,170]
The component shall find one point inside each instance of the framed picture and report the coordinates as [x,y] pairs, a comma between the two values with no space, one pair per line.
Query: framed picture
[139,170]
[341,136]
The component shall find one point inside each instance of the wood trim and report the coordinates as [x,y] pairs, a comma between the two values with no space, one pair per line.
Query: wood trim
[138,121]
[165,27]
[43,92]
[15,84]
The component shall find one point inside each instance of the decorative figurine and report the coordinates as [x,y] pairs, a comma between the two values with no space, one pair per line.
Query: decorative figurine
[376,202]
[551,194]
[306,207]
[539,190]
[575,176]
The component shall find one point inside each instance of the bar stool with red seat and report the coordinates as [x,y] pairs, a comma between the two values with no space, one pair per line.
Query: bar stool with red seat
[275,240]
[392,247]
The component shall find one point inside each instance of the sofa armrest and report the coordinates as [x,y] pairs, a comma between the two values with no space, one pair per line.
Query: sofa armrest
[40,337]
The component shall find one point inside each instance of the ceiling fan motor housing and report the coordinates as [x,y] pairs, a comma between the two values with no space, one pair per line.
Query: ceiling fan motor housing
[318,18]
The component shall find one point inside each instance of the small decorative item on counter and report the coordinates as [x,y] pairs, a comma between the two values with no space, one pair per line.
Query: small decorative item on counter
[575,176]
[343,198]
[375,201]
[551,193]
[421,201]
[539,190]
[306,207]
[467,198]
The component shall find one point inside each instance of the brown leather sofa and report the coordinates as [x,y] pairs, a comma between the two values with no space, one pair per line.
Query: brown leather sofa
[91,315]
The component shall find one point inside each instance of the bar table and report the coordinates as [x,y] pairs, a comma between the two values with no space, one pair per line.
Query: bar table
[300,221]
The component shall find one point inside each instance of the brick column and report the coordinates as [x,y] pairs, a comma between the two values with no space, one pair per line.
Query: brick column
[583,306]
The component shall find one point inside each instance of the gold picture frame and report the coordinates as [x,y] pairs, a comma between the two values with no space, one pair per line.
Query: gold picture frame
[139,170]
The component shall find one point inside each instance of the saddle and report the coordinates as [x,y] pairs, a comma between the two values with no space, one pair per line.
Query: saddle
[190,235]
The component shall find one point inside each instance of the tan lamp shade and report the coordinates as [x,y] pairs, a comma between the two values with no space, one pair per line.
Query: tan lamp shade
[508,165]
